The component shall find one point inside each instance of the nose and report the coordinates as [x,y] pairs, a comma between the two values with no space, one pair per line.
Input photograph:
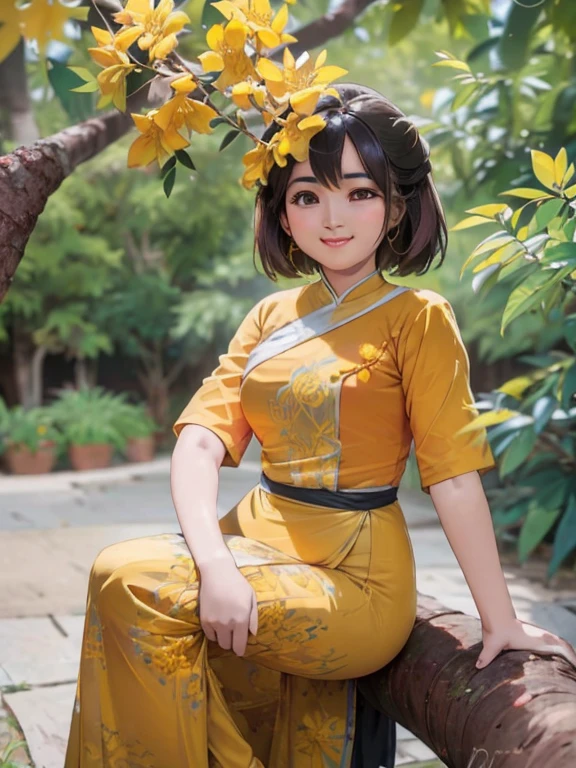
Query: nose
[332,214]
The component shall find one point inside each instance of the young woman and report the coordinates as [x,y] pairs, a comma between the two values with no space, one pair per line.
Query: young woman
[237,644]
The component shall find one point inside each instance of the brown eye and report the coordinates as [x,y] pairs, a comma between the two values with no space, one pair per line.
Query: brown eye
[370,192]
[300,195]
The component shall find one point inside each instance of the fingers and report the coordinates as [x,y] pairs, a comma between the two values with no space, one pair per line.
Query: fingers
[209,632]
[254,615]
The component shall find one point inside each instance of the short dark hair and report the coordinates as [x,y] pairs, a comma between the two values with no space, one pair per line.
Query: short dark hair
[395,157]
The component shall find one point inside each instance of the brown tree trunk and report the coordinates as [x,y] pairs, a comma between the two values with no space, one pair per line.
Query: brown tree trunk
[37,376]
[518,712]
[17,121]
[22,357]
[29,175]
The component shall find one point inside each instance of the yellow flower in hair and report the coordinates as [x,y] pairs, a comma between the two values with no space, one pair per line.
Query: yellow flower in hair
[258,162]
[301,82]
[155,143]
[155,28]
[259,18]
[294,138]
[227,54]
[181,111]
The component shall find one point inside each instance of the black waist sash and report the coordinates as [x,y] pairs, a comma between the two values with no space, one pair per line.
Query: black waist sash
[324,497]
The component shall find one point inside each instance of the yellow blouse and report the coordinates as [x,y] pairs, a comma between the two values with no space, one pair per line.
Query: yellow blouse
[336,388]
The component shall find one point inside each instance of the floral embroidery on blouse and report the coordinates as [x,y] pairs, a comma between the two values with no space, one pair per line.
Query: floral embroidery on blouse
[371,355]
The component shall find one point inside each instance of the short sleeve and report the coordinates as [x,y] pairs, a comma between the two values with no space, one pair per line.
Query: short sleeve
[435,371]
[216,404]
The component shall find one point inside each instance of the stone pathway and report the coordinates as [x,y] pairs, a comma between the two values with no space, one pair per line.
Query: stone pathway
[53,527]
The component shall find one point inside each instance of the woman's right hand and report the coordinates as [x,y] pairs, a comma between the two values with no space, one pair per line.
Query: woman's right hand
[228,605]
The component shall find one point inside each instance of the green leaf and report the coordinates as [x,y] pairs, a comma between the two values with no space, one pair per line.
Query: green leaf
[490,211]
[228,139]
[404,20]
[453,64]
[569,387]
[168,165]
[543,409]
[523,298]
[500,255]
[472,221]
[569,330]
[464,95]
[210,15]
[543,215]
[526,193]
[86,88]
[517,452]
[209,77]
[564,253]
[565,538]
[63,79]
[183,157]
[539,521]
[169,180]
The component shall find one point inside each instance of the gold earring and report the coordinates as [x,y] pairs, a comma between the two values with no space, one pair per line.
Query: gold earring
[391,239]
[291,255]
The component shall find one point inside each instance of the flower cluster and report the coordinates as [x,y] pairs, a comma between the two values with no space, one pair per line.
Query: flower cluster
[371,355]
[235,65]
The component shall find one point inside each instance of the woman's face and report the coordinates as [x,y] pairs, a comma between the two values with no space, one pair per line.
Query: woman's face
[355,211]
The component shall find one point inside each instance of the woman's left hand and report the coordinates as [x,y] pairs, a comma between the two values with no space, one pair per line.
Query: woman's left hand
[522,636]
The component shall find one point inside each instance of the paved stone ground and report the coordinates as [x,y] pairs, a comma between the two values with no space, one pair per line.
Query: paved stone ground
[51,529]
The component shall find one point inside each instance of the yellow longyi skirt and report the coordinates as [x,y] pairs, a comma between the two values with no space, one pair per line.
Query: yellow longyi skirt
[336,597]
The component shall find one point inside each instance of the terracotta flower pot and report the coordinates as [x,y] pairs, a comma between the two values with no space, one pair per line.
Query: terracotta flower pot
[22,461]
[94,456]
[141,448]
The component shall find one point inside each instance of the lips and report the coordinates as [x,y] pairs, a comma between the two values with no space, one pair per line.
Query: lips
[335,240]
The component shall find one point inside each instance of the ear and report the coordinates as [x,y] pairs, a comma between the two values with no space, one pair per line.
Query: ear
[397,211]
[284,223]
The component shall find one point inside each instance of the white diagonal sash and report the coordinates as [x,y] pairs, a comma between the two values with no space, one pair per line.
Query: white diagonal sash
[323,320]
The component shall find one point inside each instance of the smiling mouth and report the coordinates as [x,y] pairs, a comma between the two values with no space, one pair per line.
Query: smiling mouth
[335,240]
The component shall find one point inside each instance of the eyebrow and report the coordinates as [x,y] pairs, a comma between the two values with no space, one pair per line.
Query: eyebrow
[314,180]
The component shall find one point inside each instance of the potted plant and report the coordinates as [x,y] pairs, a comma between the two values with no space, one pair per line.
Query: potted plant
[89,419]
[139,428]
[29,439]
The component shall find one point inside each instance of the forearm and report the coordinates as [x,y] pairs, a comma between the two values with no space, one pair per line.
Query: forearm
[464,513]
[194,479]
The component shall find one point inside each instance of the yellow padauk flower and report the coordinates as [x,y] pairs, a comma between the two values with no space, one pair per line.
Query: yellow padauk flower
[111,54]
[182,111]
[154,28]
[301,82]
[259,17]
[258,162]
[155,143]
[241,93]
[293,138]
[227,54]
[40,20]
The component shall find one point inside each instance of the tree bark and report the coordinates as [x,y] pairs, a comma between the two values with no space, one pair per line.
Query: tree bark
[518,712]
[37,376]
[29,175]
[325,28]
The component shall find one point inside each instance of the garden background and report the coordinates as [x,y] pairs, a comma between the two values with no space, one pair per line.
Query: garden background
[118,299]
